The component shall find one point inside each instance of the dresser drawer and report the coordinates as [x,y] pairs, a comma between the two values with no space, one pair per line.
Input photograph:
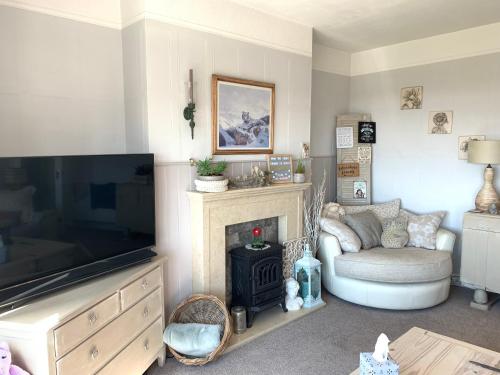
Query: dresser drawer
[139,288]
[96,351]
[139,354]
[85,324]
[484,222]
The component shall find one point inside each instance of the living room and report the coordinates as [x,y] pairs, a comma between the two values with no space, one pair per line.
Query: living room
[364,131]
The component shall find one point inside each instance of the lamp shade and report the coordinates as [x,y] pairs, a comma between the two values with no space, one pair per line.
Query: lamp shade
[484,152]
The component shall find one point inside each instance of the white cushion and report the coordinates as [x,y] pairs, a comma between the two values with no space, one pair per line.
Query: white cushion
[349,241]
[408,265]
[422,229]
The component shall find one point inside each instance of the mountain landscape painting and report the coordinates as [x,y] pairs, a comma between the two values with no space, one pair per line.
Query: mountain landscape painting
[243,121]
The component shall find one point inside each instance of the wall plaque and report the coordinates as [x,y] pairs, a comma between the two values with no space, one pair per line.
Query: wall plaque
[280,168]
[367,132]
[348,170]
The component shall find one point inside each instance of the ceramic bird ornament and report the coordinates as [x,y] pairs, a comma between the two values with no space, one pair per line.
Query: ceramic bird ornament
[381,348]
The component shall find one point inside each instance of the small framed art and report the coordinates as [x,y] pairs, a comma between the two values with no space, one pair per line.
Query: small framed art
[280,168]
[367,132]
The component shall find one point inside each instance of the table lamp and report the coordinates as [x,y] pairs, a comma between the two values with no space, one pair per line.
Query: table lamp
[485,152]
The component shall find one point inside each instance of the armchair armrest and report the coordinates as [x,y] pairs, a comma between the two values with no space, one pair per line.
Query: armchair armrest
[329,248]
[445,240]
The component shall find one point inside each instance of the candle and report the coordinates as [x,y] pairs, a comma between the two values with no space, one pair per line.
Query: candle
[190,86]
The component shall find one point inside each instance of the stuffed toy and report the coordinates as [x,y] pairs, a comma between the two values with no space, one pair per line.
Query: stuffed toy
[6,366]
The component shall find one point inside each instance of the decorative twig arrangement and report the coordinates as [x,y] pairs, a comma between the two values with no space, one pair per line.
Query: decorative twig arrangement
[312,214]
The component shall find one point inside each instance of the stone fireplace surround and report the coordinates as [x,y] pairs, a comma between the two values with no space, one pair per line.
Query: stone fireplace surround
[211,213]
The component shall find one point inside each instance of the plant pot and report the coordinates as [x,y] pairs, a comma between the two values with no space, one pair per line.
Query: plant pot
[211,186]
[299,178]
[210,178]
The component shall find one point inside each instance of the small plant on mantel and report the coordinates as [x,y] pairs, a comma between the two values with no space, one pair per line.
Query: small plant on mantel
[210,176]
[299,175]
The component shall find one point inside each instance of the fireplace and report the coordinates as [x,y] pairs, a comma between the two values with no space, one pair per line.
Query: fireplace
[257,279]
[212,213]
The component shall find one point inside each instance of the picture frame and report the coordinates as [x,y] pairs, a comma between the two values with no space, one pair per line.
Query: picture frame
[359,190]
[367,132]
[440,122]
[242,116]
[280,167]
[345,137]
[411,97]
[463,144]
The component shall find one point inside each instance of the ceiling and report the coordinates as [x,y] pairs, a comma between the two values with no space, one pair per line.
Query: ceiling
[355,25]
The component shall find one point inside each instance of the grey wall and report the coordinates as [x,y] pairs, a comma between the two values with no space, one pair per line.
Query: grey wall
[61,86]
[329,98]
[424,169]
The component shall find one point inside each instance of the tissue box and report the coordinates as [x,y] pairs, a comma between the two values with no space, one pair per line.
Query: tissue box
[369,366]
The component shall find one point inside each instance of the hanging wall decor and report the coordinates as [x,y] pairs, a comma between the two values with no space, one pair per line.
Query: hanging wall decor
[463,144]
[359,190]
[365,154]
[242,116]
[345,137]
[191,107]
[440,122]
[348,170]
[412,97]
[367,132]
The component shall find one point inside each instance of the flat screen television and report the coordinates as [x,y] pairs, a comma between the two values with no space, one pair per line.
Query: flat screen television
[66,219]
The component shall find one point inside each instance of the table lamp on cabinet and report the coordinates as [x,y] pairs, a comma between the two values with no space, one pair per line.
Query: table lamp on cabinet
[485,152]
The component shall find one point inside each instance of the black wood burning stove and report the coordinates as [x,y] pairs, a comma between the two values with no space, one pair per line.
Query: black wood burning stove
[257,279]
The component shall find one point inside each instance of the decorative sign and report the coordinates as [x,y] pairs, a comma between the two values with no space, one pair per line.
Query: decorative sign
[348,170]
[367,132]
[345,137]
[280,168]
[365,154]
[359,190]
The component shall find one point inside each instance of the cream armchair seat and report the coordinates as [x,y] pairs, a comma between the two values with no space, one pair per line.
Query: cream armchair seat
[398,279]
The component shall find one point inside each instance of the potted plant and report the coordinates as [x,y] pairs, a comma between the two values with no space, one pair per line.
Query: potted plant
[299,175]
[210,176]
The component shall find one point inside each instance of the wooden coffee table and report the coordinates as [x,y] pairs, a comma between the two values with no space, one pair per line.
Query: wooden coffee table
[424,352]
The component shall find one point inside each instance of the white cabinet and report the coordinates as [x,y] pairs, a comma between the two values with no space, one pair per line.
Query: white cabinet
[109,325]
[481,254]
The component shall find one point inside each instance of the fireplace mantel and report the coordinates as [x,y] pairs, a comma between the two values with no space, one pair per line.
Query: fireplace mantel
[212,212]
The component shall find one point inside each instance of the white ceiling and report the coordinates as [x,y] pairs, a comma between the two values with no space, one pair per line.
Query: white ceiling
[355,25]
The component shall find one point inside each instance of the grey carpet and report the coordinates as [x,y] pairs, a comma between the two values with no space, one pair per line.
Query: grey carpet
[330,340]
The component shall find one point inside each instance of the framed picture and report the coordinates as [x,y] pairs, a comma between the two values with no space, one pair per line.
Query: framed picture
[365,154]
[359,190]
[463,144]
[280,168]
[411,97]
[367,132]
[345,138]
[242,116]
[440,122]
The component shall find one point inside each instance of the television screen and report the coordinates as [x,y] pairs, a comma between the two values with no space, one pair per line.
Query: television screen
[63,212]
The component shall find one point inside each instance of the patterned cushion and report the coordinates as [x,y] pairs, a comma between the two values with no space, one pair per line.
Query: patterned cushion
[381,210]
[394,235]
[367,227]
[423,228]
[349,241]
[333,211]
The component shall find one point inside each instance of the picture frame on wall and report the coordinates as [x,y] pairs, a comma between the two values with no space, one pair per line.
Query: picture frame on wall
[367,132]
[242,116]
[463,144]
[411,97]
[440,122]
[359,190]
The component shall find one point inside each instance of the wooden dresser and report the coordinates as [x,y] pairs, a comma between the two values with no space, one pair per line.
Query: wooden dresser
[481,255]
[111,325]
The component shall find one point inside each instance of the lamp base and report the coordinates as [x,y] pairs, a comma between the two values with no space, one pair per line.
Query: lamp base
[487,195]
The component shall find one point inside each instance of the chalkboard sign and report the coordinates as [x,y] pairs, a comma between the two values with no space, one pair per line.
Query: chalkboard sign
[280,168]
[367,132]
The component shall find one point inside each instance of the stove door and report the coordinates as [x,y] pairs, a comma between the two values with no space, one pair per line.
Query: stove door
[267,274]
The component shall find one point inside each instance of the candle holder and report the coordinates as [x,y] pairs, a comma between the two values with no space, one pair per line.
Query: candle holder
[191,107]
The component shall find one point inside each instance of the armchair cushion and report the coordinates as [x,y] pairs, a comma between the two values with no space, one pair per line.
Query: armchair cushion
[367,227]
[423,229]
[407,265]
[384,210]
[349,241]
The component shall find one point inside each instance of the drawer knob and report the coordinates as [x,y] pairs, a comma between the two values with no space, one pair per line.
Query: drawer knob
[144,284]
[94,353]
[92,318]
[146,344]
[145,313]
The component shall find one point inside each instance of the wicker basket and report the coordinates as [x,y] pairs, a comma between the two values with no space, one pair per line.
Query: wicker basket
[207,310]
